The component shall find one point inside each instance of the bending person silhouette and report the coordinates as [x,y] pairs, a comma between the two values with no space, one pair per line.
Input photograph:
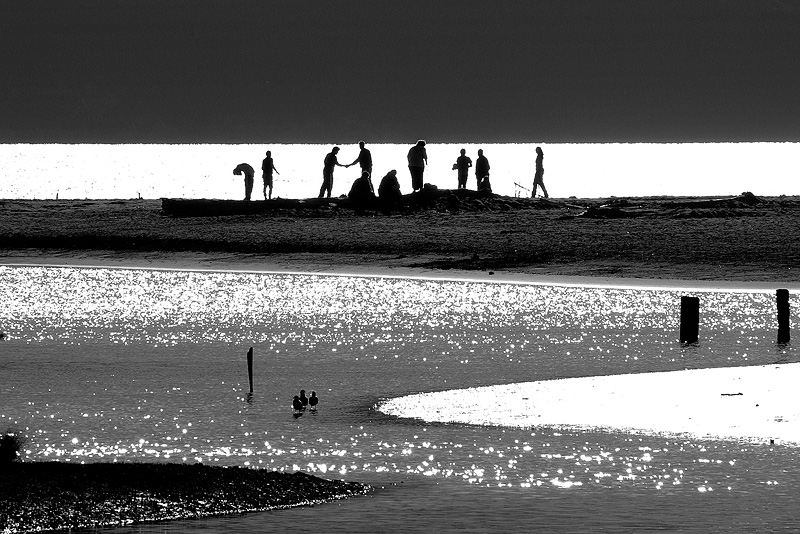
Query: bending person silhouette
[267,166]
[417,159]
[249,174]
[462,165]
[538,179]
[327,172]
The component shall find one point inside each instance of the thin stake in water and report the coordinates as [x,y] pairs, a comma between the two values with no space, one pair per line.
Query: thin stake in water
[250,367]
[782,297]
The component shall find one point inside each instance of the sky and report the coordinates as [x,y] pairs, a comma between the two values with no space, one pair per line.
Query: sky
[390,71]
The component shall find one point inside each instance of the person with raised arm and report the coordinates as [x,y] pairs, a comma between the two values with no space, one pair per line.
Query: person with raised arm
[364,159]
[327,172]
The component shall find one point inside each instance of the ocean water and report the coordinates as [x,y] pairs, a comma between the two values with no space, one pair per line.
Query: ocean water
[150,365]
[581,170]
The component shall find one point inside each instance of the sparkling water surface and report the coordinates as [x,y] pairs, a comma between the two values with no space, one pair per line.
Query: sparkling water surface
[148,365]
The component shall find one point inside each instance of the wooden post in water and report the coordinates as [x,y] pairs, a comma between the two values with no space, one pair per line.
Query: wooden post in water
[250,367]
[690,319]
[782,297]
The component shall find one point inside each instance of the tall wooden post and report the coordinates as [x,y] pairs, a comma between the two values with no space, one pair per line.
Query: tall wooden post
[690,319]
[250,367]
[782,297]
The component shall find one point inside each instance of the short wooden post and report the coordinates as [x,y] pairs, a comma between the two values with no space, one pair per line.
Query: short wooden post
[690,319]
[250,367]
[782,297]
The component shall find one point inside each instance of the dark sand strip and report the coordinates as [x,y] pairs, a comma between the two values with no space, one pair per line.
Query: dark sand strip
[62,496]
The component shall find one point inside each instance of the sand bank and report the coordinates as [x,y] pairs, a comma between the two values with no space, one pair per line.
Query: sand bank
[759,403]
[667,238]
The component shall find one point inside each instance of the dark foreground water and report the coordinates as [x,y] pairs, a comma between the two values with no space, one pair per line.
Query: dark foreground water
[141,365]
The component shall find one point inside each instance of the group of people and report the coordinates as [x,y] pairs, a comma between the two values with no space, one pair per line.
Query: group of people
[364,160]
[462,165]
[389,188]
[417,160]
[301,402]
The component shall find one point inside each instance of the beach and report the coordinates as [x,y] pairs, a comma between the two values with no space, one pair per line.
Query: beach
[665,242]
[713,240]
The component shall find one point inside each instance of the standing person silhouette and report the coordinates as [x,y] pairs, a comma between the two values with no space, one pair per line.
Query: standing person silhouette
[462,164]
[327,172]
[313,400]
[267,166]
[538,179]
[249,174]
[364,159]
[417,159]
[481,168]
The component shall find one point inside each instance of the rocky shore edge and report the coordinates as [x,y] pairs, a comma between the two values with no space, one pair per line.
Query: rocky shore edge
[42,496]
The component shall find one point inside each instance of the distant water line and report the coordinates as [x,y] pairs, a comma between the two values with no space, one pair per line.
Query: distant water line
[581,170]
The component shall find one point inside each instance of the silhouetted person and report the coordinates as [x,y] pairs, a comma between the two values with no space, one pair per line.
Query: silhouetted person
[481,168]
[327,172]
[303,398]
[538,179]
[389,192]
[313,400]
[364,159]
[361,193]
[417,159]
[297,404]
[267,166]
[462,164]
[249,174]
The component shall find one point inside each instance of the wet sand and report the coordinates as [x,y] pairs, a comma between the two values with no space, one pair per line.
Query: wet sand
[713,241]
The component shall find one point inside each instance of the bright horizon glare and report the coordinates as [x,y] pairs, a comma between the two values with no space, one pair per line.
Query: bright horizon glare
[89,171]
